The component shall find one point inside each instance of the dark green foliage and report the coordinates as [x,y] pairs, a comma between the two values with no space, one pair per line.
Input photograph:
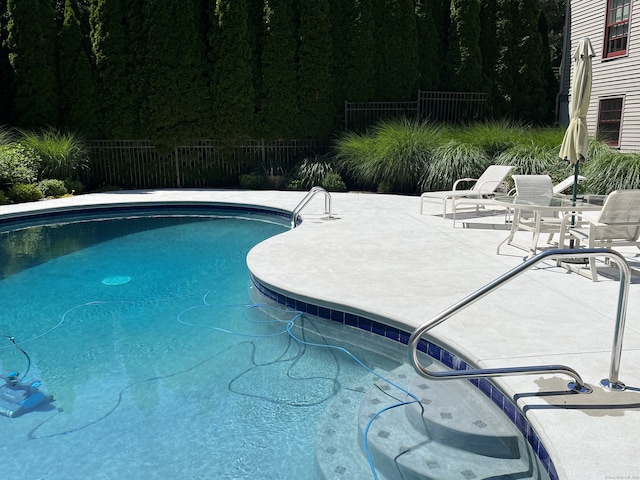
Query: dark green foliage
[62,155]
[531,65]
[397,49]
[354,51]
[22,192]
[232,86]
[116,49]
[173,67]
[279,107]
[78,94]
[465,57]
[6,81]
[31,41]
[430,45]
[489,47]
[315,75]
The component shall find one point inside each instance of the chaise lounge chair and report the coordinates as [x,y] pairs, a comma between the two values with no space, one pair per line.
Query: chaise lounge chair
[616,225]
[480,193]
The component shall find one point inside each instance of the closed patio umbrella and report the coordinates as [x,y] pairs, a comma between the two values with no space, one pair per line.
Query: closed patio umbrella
[576,139]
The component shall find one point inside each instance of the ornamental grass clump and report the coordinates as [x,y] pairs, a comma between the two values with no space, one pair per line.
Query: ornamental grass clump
[394,154]
[63,154]
[452,161]
[530,158]
[607,169]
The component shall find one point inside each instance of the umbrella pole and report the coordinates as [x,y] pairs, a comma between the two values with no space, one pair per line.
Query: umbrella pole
[576,170]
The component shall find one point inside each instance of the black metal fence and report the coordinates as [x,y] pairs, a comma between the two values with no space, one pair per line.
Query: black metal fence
[138,164]
[444,107]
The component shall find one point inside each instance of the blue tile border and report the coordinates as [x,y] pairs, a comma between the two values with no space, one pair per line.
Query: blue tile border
[435,351]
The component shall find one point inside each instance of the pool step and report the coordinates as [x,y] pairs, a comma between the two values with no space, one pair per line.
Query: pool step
[338,453]
[459,435]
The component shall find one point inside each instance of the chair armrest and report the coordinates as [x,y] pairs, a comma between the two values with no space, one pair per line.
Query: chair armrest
[455,184]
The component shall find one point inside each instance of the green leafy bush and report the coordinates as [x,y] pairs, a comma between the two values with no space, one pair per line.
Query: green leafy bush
[52,187]
[3,198]
[18,164]
[333,183]
[25,192]
[252,181]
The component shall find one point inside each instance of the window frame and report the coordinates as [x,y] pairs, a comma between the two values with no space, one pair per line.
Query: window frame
[608,139]
[610,40]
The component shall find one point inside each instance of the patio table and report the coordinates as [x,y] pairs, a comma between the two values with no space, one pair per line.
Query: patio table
[539,206]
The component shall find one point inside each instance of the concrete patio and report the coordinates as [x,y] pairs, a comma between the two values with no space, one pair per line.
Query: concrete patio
[379,257]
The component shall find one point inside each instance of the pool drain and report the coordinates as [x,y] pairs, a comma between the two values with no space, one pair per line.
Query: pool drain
[116,280]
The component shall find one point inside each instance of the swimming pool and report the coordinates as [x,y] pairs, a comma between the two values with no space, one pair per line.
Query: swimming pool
[161,363]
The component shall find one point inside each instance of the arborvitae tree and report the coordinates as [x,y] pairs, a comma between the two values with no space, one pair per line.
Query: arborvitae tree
[504,69]
[429,45]
[6,83]
[116,55]
[354,52]
[397,47]
[230,56]
[465,57]
[78,98]
[174,71]
[315,76]
[552,80]
[531,62]
[256,35]
[279,108]
[31,43]
[489,48]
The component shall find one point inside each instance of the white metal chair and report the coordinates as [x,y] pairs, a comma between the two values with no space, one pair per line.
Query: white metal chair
[538,188]
[479,194]
[616,225]
[566,183]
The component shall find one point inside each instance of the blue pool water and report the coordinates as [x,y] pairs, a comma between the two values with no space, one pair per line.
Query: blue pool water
[165,363]
[161,365]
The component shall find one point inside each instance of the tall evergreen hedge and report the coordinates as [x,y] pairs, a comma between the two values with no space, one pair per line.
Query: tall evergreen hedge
[31,43]
[315,76]
[171,71]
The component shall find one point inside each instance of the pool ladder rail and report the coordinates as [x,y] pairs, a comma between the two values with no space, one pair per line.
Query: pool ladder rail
[305,201]
[611,383]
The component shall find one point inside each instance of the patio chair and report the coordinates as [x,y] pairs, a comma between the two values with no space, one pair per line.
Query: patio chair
[616,225]
[538,188]
[566,183]
[478,195]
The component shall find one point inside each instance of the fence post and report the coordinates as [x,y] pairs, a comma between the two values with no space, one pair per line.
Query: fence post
[177,167]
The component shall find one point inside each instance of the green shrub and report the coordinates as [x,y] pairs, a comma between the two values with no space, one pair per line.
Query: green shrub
[333,183]
[52,188]
[25,192]
[252,181]
[18,164]
[74,186]
[63,154]
[3,198]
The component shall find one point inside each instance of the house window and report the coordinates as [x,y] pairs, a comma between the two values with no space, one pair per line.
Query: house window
[610,120]
[617,28]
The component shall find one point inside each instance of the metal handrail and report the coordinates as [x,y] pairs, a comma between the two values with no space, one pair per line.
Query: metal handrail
[578,385]
[303,203]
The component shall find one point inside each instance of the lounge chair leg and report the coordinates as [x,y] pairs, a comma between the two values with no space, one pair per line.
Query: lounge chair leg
[592,268]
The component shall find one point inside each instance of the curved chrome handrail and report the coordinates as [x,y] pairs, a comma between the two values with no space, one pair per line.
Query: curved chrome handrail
[303,203]
[578,385]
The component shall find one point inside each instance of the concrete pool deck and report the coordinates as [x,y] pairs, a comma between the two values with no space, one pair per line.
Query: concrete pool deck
[379,257]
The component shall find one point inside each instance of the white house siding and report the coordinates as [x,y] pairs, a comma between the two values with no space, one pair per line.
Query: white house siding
[618,77]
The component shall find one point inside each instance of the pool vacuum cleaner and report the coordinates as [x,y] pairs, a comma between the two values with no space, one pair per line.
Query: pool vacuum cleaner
[18,396]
